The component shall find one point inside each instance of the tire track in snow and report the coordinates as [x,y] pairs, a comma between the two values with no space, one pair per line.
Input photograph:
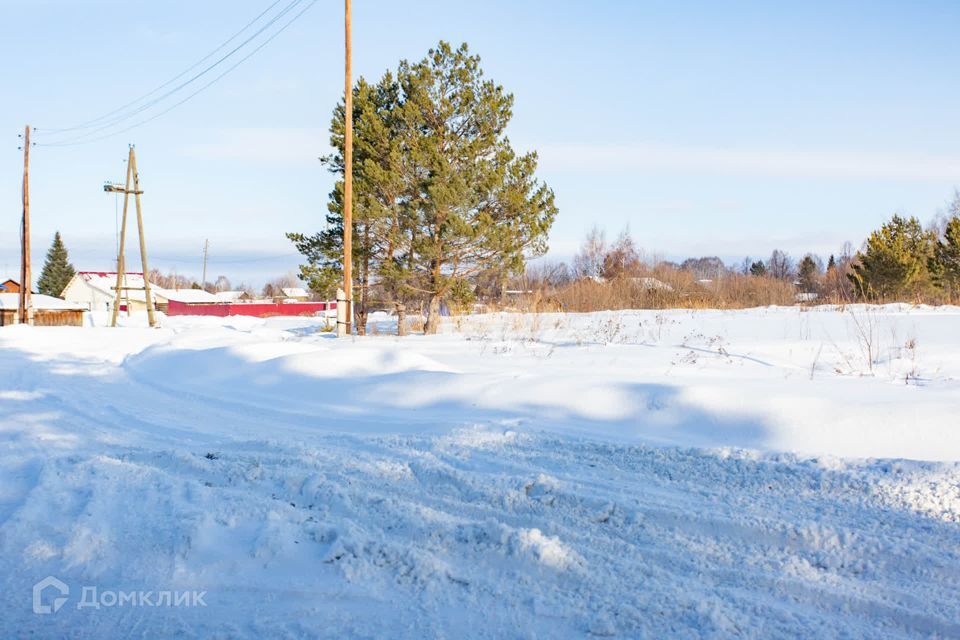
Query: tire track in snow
[647,538]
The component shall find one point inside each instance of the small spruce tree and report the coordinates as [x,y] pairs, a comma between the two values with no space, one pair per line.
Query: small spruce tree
[57,269]
[808,274]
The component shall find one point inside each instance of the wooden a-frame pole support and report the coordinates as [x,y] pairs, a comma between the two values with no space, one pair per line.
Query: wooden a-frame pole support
[133,180]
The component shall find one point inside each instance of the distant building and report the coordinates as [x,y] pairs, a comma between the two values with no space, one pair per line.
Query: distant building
[295,293]
[9,286]
[187,296]
[47,311]
[650,284]
[231,296]
[95,291]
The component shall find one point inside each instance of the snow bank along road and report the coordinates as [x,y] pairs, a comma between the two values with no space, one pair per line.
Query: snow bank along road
[763,473]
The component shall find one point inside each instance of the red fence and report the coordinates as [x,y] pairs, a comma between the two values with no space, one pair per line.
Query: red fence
[255,309]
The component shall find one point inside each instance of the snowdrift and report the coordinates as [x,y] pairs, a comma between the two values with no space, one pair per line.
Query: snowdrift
[760,473]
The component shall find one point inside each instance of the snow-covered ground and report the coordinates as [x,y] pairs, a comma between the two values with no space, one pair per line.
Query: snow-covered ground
[762,473]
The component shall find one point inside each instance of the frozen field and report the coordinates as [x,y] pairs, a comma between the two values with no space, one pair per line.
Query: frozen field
[762,473]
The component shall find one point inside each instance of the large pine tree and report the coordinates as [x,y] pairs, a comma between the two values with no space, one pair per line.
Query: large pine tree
[440,197]
[479,207]
[57,269]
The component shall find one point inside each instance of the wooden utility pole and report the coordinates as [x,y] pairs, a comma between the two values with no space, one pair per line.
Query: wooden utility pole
[143,240]
[206,247]
[24,302]
[134,177]
[344,327]
[121,266]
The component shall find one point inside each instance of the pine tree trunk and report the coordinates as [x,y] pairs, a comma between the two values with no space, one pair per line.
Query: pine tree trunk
[360,311]
[360,321]
[401,319]
[433,315]
[433,312]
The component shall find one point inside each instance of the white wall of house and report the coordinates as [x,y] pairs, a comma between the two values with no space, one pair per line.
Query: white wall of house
[90,298]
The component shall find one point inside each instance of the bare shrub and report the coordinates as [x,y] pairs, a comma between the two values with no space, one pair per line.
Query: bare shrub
[667,287]
[416,323]
[866,331]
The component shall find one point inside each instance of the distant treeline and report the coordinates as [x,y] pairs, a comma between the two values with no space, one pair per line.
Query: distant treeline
[273,288]
[900,261]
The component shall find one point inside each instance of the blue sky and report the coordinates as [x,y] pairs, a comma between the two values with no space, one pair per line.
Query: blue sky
[710,128]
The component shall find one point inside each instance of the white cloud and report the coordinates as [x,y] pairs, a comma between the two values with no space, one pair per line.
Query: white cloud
[671,159]
[305,145]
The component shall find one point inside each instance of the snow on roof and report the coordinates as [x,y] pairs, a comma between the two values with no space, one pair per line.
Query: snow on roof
[105,281]
[651,283]
[189,296]
[37,301]
[295,292]
[229,296]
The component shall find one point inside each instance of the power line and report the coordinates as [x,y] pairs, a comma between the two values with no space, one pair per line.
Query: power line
[215,260]
[186,260]
[85,138]
[94,121]
[125,116]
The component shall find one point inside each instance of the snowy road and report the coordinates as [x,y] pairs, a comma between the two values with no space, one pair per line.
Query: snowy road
[222,459]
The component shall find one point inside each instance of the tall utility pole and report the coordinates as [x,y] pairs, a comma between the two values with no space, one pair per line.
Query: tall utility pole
[134,177]
[206,247]
[344,327]
[24,303]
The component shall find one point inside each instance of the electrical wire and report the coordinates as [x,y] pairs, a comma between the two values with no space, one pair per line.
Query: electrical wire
[126,116]
[94,121]
[183,260]
[86,139]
